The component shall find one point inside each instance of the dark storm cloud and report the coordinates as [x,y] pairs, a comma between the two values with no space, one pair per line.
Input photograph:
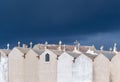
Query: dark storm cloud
[43,19]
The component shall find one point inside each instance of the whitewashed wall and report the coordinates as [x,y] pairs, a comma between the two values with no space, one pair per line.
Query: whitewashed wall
[115,68]
[3,67]
[16,66]
[101,69]
[48,70]
[83,69]
[64,68]
[31,67]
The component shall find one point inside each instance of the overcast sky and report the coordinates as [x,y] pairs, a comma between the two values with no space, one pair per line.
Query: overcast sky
[89,21]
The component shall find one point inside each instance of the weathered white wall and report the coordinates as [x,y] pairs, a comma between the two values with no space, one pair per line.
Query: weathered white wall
[31,67]
[115,68]
[4,68]
[16,66]
[101,69]
[1,74]
[83,69]
[64,68]
[48,70]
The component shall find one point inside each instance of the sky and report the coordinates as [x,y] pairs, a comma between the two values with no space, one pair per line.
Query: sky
[88,21]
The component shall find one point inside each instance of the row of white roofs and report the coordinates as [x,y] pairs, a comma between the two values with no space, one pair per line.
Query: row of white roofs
[40,48]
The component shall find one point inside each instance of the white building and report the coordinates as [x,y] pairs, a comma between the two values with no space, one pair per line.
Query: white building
[59,63]
[101,69]
[4,65]
[31,62]
[48,66]
[82,69]
[16,64]
[64,68]
[115,68]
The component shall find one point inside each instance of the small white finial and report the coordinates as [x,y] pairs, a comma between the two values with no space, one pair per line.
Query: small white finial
[115,44]
[64,47]
[75,48]
[18,43]
[31,44]
[25,46]
[115,47]
[8,46]
[77,44]
[46,43]
[60,42]
[60,46]
[101,48]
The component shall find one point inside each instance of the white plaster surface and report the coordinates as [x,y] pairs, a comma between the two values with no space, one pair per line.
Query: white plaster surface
[64,68]
[4,69]
[82,69]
